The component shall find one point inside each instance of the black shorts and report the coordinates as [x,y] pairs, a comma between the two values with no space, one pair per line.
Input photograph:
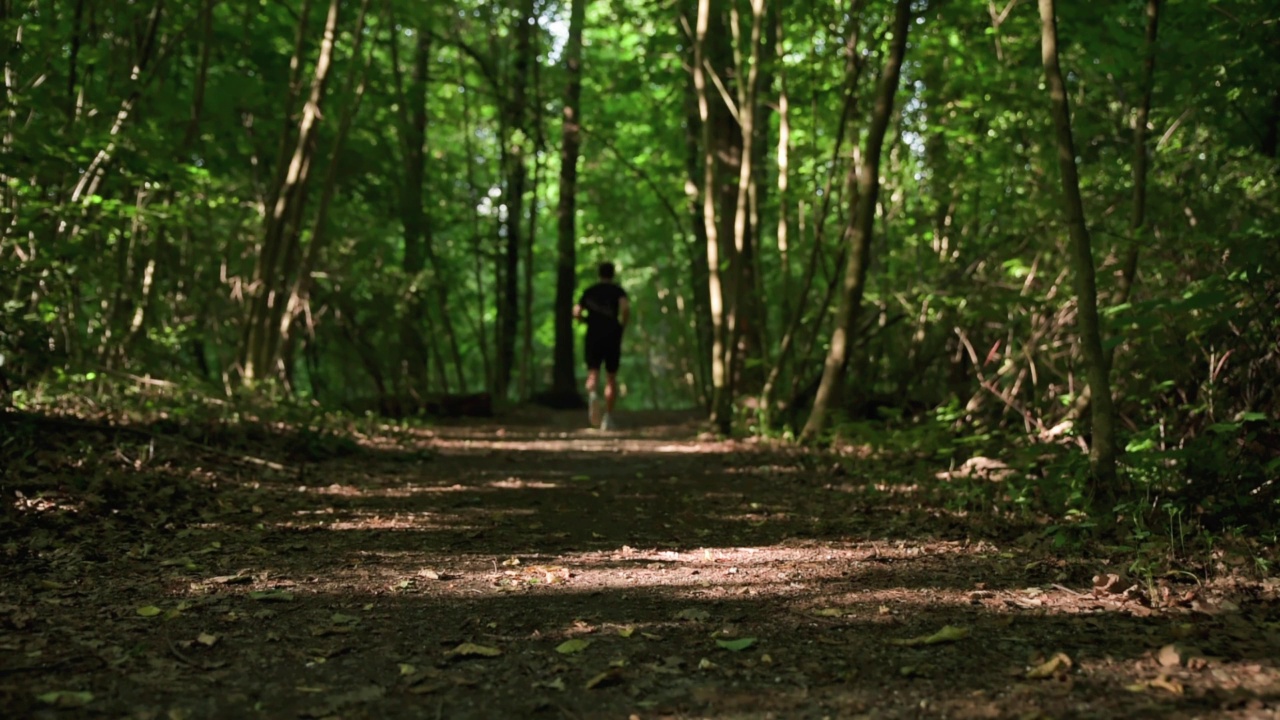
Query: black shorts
[603,349]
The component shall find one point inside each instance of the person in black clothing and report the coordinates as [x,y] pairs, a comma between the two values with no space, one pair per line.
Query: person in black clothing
[605,308]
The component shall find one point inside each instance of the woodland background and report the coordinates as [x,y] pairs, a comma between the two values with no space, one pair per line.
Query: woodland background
[842,217]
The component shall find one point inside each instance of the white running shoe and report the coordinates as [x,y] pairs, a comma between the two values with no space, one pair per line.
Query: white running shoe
[607,423]
[593,410]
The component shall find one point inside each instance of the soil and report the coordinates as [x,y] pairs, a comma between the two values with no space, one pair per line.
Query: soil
[531,567]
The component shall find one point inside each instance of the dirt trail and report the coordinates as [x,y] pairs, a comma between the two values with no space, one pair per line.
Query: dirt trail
[703,579]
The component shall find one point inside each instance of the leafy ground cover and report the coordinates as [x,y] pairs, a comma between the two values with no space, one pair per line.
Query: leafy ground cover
[533,568]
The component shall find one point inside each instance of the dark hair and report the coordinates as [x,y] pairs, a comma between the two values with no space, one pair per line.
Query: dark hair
[606,271]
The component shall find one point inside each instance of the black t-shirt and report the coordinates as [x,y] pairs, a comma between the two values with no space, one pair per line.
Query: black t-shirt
[600,303]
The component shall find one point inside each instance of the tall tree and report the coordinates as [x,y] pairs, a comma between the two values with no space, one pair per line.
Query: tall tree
[721,143]
[1102,450]
[564,381]
[858,234]
[277,255]
[515,121]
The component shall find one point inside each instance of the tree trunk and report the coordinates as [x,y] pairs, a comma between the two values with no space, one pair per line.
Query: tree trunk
[721,155]
[261,346]
[699,274]
[1138,221]
[858,233]
[853,71]
[516,110]
[564,380]
[747,303]
[300,295]
[1102,451]
[414,218]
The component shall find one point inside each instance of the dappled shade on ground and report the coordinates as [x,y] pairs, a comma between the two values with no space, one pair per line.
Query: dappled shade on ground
[156,573]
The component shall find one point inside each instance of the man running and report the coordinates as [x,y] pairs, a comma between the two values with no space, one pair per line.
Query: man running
[605,309]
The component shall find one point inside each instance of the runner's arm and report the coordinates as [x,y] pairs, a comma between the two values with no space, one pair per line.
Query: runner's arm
[624,311]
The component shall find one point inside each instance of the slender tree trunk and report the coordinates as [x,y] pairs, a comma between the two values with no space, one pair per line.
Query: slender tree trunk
[784,168]
[202,77]
[414,218]
[1102,451]
[853,71]
[539,146]
[259,352]
[744,343]
[722,152]
[300,296]
[859,232]
[699,273]
[1138,221]
[564,380]
[515,140]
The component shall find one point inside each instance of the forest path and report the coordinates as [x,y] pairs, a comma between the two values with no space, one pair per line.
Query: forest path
[705,579]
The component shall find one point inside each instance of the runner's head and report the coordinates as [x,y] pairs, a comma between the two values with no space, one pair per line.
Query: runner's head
[606,271]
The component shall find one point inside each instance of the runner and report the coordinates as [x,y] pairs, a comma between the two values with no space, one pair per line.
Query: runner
[605,309]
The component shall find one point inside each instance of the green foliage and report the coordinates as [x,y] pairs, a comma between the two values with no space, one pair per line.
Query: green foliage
[137,182]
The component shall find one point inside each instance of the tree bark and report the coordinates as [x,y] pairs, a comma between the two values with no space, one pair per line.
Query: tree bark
[858,234]
[1102,451]
[721,154]
[748,304]
[564,380]
[261,346]
[515,140]
[853,71]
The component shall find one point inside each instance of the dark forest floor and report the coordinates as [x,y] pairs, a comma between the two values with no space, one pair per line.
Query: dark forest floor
[539,569]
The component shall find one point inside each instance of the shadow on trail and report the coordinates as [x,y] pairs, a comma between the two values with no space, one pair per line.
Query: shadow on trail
[292,587]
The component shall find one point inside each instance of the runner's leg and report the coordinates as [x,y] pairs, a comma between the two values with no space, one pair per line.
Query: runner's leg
[610,392]
[612,359]
[594,358]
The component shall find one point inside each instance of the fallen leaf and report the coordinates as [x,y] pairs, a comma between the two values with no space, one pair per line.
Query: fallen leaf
[149,611]
[1167,684]
[576,645]
[427,688]
[66,698]
[1169,656]
[511,562]
[1058,663]
[580,478]
[231,579]
[429,574]
[949,633]
[557,685]
[829,612]
[626,632]
[333,704]
[608,677]
[693,614]
[705,664]
[473,650]
[206,639]
[340,619]
[407,669]
[271,595]
[738,644]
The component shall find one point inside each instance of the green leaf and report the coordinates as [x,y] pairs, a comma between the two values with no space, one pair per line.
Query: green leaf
[66,698]
[947,634]
[149,611]
[271,595]
[473,650]
[737,644]
[576,645]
